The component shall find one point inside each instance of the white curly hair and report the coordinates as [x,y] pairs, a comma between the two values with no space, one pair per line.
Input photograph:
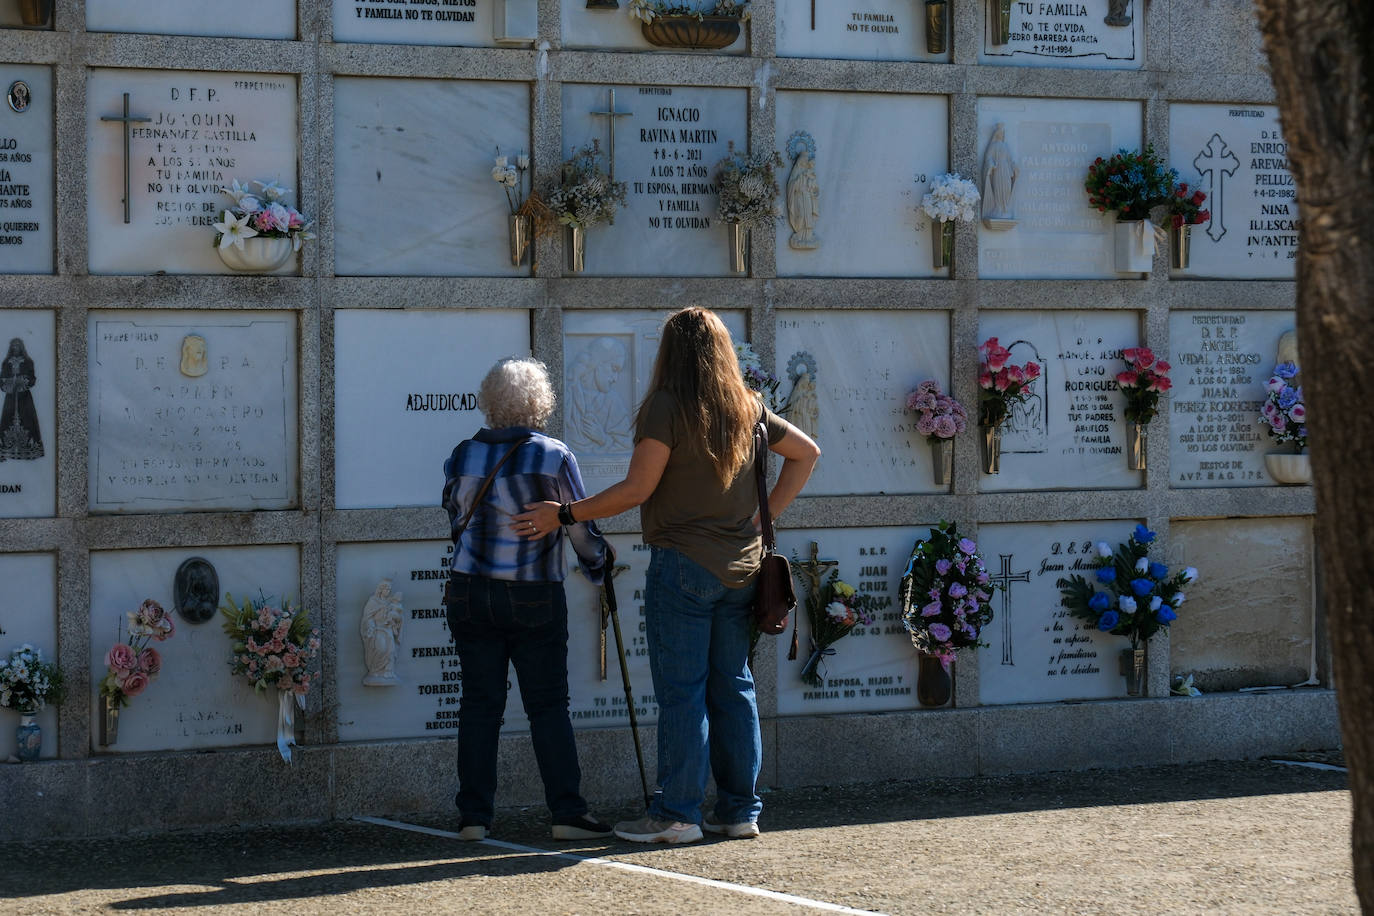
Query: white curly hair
[516,392]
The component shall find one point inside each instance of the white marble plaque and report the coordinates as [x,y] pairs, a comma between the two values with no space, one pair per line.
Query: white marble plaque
[846,375]
[666,150]
[416,22]
[192,410]
[1071,432]
[413,188]
[1237,154]
[204,130]
[617,30]
[1053,234]
[1222,361]
[196,702]
[855,30]
[424,702]
[1090,34]
[28,413]
[405,393]
[875,156]
[1036,651]
[240,19]
[29,615]
[26,170]
[608,358]
[874,667]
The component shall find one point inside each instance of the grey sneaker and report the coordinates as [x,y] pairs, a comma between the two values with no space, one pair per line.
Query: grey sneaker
[582,827]
[472,832]
[648,830]
[745,830]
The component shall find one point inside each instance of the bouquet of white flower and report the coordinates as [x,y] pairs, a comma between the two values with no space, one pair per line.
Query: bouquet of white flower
[586,195]
[748,186]
[951,197]
[511,178]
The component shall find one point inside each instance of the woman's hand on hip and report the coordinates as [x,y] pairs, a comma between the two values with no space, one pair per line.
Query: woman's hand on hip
[537,521]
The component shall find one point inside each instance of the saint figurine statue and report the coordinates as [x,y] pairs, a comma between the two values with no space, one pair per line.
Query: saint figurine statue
[803,202]
[999,181]
[19,436]
[1116,13]
[803,409]
[380,629]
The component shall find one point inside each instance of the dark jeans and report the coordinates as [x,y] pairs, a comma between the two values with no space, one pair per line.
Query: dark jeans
[496,623]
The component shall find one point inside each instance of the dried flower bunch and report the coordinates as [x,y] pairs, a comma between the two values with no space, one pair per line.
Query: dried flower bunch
[748,186]
[586,195]
[649,10]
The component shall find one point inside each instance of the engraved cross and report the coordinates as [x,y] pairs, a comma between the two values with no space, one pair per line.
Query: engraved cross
[610,114]
[1217,159]
[126,119]
[1003,581]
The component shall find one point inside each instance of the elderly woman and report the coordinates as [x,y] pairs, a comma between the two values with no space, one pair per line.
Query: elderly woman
[505,600]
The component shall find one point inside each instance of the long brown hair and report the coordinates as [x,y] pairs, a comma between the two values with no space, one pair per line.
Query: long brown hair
[696,363]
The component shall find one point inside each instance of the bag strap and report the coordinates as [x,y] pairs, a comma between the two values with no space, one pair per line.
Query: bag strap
[482,491]
[761,475]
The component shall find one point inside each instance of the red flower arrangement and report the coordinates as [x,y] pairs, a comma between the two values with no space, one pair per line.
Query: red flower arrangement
[1185,209]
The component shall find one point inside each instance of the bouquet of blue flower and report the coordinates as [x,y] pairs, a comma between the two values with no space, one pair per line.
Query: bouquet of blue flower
[1132,595]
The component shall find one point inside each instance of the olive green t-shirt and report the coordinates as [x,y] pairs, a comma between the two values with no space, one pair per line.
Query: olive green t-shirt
[689,511]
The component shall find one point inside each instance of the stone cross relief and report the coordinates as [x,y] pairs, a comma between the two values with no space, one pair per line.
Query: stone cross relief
[610,114]
[1216,160]
[126,119]
[1003,581]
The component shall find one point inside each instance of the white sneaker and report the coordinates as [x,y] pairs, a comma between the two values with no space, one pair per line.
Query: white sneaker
[471,833]
[745,830]
[648,830]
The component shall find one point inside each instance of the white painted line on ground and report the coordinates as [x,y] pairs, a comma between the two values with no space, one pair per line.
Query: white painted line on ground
[626,866]
[1310,765]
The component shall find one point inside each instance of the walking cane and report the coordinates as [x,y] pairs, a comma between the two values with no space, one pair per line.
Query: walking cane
[609,603]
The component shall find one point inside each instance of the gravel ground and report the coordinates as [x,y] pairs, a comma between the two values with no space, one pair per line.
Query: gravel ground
[1247,837]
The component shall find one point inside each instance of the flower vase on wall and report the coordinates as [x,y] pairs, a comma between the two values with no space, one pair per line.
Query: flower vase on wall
[109,721]
[1137,439]
[1135,246]
[1133,668]
[1289,467]
[942,242]
[35,12]
[942,460]
[257,255]
[1001,21]
[992,449]
[739,247]
[519,238]
[934,682]
[937,17]
[1180,242]
[28,737]
[694,33]
[577,249]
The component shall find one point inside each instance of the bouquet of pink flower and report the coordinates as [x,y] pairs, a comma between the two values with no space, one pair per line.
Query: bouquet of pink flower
[133,664]
[1001,382]
[1284,412]
[1144,380]
[272,646]
[946,594]
[939,415]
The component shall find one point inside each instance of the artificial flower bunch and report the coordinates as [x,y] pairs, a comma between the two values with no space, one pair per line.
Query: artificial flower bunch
[1137,595]
[1001,382]
[757,378]
[132,664]
[261,212]
[1184,208]
[648,10]
[1130,183]
[939,416]
[1284,413]
[586,195]
[748,186]
[27,683]
[271,646]
[1143,381]
[511,177]
[946,594]
[951,197]
[833,611]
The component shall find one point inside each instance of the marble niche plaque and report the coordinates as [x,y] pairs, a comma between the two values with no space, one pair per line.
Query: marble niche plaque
[608,358]
[1048,231]
[1071,432]
[875,155]
[468,23]
[28,413]
[1222,361]
[240,19]
[26,170]
[854,30]
[846,375]
[1089,34]
[405,393]
[667,143]
[29,615]
[1237,154]
[413,187]
[1036,651]
[192,410]
[874,667]
[424,701]
[196,702]
[616,30]
[203,131]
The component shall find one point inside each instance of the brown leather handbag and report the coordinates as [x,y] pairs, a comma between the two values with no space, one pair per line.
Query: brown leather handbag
[774,597]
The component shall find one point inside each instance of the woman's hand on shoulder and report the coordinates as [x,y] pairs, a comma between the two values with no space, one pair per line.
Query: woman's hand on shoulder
[537,521]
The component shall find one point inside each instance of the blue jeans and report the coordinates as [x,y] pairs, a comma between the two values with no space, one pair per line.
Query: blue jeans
[698,634]
[496,623]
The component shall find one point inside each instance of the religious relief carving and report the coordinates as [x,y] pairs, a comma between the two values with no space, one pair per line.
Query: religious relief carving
[1026,431]
[19,435]
[598,412]
[999,181]
[1116,13]
[380,629]
[803,409]
[196,590]
[194,356]
[803,192]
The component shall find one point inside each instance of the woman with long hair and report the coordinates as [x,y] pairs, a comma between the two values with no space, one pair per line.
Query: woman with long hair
[691,473]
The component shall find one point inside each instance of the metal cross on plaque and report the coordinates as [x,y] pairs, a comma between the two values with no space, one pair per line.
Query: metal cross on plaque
[813,15]
[610,114]
[1003,580]
[1218,160]
[127,119]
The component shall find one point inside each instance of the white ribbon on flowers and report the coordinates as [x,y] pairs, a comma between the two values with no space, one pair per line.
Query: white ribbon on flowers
[1145,241]
[286,722]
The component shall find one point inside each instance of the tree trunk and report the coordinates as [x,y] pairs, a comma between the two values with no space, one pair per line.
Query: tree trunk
[1321,55]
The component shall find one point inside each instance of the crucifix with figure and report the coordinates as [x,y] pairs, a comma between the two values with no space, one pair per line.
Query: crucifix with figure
[1217,160]
[813,572]
[610,114]
[1003,581]
[126,119]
